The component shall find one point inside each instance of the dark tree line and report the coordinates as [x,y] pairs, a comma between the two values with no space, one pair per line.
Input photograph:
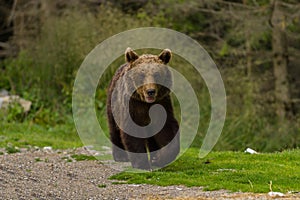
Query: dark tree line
[259,36]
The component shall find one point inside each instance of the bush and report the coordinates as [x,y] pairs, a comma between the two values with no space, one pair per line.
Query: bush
[64,43]
[44,72]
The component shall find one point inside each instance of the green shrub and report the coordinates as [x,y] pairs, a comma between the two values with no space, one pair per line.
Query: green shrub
[45,71]
[64,43]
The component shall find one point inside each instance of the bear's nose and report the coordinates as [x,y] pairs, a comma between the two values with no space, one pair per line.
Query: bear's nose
[151,92]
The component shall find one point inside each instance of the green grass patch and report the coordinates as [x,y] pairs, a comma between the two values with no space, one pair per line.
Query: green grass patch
[37,159]
[61,136]
[102,185]
[82,157]
[12,149]
[234,171]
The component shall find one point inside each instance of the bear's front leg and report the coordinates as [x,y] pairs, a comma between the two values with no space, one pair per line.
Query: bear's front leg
[136,150]
[167,145]
[166,154]
[139,160]
[118,151]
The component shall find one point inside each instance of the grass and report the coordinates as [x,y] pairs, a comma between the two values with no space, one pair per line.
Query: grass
[102,185]
[234,171]
[26,134]
[11,149]
[82,157]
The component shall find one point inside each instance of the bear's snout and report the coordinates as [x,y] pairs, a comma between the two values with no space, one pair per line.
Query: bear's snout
[150,96]
[151,92]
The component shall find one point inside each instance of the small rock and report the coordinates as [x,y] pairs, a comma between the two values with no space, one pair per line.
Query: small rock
[3,93]
[276,194]
[5,101]
[47,148]
[251,151]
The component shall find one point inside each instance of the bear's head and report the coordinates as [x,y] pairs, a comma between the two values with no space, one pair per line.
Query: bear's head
[151,78]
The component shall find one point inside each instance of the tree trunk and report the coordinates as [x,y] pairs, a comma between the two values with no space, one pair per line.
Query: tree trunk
[280,61]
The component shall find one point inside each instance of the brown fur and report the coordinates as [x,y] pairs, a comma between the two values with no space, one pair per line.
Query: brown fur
[125,146]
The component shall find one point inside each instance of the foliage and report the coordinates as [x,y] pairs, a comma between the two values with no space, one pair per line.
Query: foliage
[14,112]
[16,74]
[47,69]
[234,171]
[44,71]
[11,149]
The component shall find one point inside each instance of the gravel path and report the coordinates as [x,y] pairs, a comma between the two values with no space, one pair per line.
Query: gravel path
[48,174]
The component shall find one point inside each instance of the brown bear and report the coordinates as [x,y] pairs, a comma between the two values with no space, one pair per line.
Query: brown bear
[147,85]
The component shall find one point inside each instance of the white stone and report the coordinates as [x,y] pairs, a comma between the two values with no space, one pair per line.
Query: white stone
[5,101]
[251,151]
[276,194]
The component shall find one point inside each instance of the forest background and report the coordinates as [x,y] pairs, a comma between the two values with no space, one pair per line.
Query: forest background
[254,43]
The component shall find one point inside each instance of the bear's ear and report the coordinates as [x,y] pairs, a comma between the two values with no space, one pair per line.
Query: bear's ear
[130,55]
[165,56]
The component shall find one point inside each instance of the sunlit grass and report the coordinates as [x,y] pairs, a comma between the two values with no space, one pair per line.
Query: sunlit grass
[234,171]
[26,134]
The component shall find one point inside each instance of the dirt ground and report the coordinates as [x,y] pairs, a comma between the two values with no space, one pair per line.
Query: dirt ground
[53,174]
